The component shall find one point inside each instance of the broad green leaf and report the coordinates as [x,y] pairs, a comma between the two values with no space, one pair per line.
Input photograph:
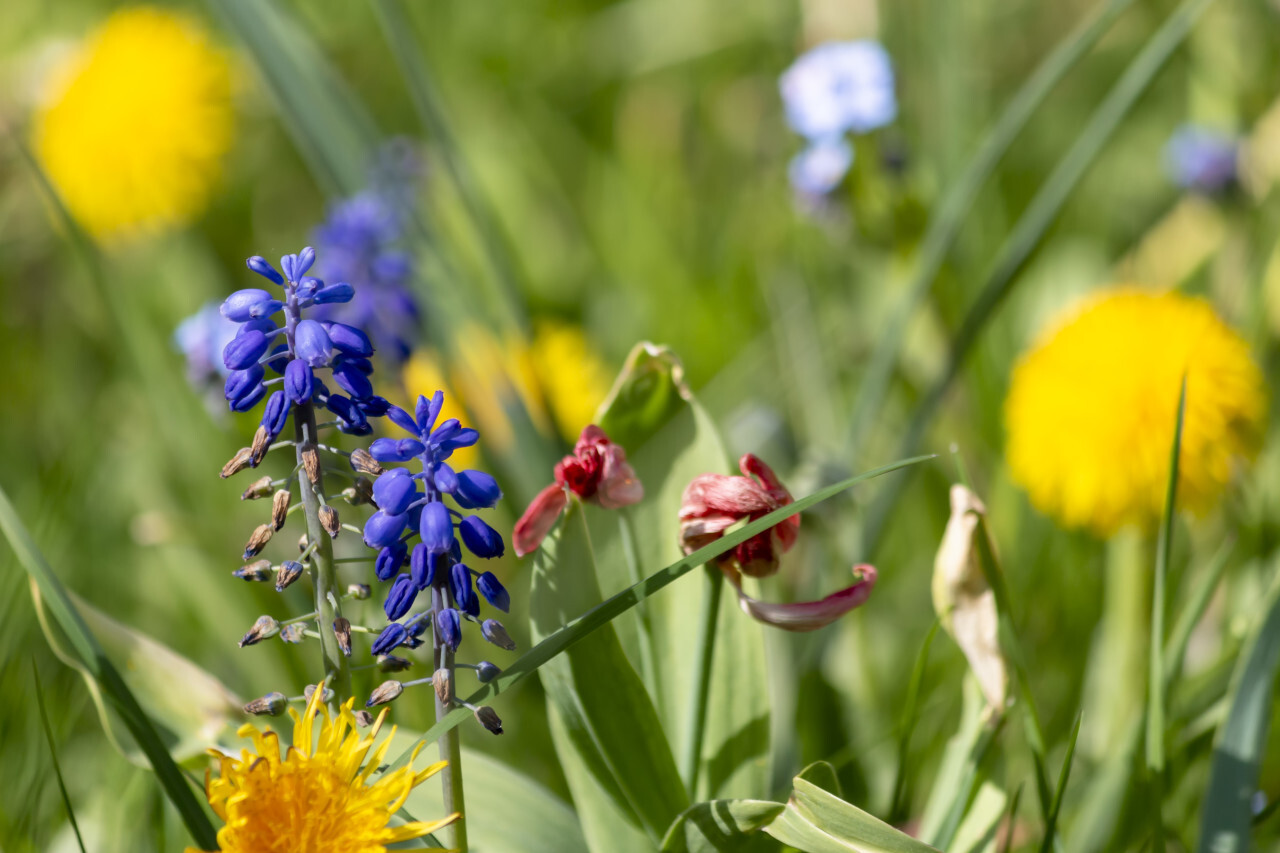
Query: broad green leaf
[669,440]
[505,809]
[602,717]
[722,825]
[1237,754]
[90,654]
[585,624]
[191,709]
[818,821]
[822,774]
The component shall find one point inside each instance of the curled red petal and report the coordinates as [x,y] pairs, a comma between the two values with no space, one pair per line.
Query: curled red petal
[619,486]
[811,615]
[538,519]
[721,494]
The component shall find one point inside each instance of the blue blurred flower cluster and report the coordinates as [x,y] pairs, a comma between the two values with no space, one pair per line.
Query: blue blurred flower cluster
[1202,159]
[308,345]
[415,503]
[200,338]
[835,89]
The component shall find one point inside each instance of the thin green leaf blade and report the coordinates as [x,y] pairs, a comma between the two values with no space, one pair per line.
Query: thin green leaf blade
[53,755]
[69,620]
[1227,816]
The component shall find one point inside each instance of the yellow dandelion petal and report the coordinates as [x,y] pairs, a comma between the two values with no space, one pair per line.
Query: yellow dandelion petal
[573,377]
[135,122]
[1091,410]
[316,798]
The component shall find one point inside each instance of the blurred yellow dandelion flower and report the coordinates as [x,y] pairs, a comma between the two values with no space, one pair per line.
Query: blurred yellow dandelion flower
[134,123]
[1092,407]
[317,798]
[573,377]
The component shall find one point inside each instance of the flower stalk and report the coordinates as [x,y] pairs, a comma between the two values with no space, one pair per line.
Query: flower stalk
[325,574]
[450,743]
[702,679]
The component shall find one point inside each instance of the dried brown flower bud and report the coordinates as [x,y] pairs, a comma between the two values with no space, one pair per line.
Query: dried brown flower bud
[329,520]
[259,488]
[293,633]
[258,447]
[311,464]
[262,629]
[363,718]
[257,540]
[236,463]
[359,591]
[489,718]
[362,462]
[289,571]
[384,693]
[259,570]
[280,508]
[391,663]
[342,630]
[271,705]
[310,689]
[302,544]
[443,685]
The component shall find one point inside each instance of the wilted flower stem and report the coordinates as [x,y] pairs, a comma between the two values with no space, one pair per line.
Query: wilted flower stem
[450,744]
[324,574]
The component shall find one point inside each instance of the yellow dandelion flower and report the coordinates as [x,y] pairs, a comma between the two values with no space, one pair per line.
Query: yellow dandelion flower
[1092,407]
[574,379]
[317,798]
[135,122]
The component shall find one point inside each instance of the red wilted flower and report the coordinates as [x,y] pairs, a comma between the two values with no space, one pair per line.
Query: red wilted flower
[597,471]
[712,503]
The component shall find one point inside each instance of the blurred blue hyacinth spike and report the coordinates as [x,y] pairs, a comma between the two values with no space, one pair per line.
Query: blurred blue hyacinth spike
[819,168]
[201,338]
[361,244]
[276,331]
[1202,159]
[413,505]
[839,87]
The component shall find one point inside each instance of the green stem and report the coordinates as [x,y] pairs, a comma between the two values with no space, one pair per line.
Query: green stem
[325,574]
[450,744]
[702,680]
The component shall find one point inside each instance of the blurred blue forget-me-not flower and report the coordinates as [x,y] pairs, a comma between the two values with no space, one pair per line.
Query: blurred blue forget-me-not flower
[1202,159]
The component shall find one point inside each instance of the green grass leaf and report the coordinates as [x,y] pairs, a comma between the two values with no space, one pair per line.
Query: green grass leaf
[123,702]
[53,754]
[1227,814]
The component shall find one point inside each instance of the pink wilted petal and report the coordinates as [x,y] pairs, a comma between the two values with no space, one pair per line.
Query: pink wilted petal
[538,519]
[722,494]
[619,485]
[811,615]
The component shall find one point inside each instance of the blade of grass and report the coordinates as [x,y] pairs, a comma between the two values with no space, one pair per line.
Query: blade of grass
[1176,647]
[398,31]
[1030,230]
[1051,825]
[609,609]
[113,686]
[1155,675]
[952,212]
[910,715]
[1226,817]
[53,754]
[1012,815]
